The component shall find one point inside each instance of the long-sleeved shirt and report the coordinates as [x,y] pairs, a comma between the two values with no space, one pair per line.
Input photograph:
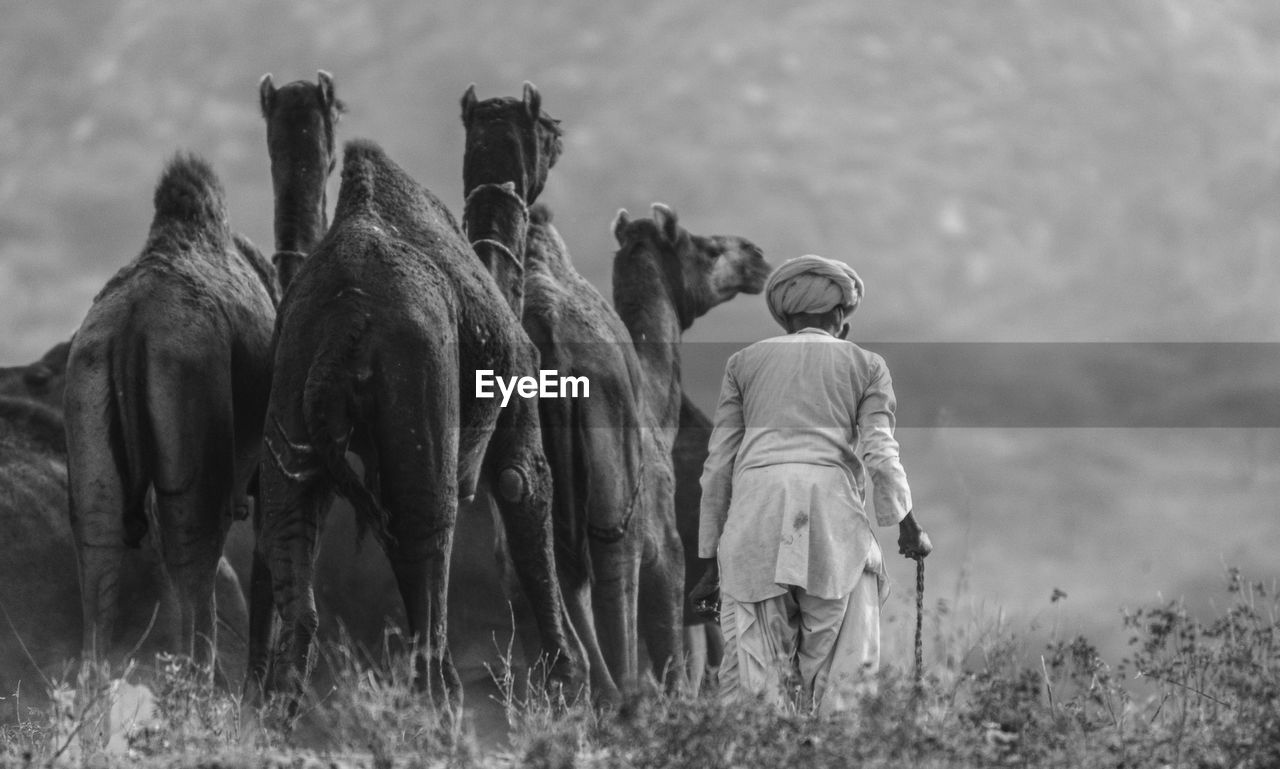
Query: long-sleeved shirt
[801,419]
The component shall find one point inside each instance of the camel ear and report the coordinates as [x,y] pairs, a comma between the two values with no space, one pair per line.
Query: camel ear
[325,81]
[468,103]
[620,222]
[266,94]
[665,218]
[532,100]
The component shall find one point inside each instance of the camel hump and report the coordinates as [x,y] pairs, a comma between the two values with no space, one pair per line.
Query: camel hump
[188,189]
[41,425]
[372,181]
[363,163]
[539,214]
[364,152]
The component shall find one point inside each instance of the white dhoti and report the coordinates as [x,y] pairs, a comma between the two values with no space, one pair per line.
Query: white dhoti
[828,649]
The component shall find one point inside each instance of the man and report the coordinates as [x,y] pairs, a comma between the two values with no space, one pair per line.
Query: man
[802,418]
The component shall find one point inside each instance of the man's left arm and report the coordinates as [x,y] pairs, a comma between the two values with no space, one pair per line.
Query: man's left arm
[879,448]
[880,454]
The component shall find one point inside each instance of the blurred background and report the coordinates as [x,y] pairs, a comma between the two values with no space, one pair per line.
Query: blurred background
[1028,171]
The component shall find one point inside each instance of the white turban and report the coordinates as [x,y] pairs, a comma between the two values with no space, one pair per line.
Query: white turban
[812,284]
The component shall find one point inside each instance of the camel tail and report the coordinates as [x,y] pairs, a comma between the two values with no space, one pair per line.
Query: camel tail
[570,475]
[189,191]
[329,409]
[130,437]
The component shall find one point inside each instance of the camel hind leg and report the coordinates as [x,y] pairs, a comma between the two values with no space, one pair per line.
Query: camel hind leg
[695,657]
[590,482]
[99,494]
[615,595]
[516,469]
[289,517]
[661,607]
[193,429]
[261,611]
[417,445]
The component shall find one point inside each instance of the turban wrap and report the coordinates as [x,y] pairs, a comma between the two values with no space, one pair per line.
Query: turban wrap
[812,284]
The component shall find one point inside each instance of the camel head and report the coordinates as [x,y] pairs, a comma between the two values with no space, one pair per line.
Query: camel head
[300,140]
[509,140]
[703,270]
[43,381]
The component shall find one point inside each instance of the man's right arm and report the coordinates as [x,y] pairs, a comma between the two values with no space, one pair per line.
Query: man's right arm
[717,473]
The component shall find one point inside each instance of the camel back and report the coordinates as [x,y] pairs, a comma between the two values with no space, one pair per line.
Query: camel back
[190,225]
[375,191]
[373,183]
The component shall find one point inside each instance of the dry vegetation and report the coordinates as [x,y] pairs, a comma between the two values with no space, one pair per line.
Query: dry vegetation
[1189,693]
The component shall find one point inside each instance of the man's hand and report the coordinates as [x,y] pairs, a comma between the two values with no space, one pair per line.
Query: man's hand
[913,542]
[705,596]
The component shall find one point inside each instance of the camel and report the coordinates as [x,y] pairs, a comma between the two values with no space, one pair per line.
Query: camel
[496,215]
[509,142]
[44,380]
[663,279]
[703,643]
[594,444]
[378,345]
[301,119]
[167,387]
[39,586]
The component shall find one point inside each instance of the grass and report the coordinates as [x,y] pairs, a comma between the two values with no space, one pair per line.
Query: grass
[1189,693]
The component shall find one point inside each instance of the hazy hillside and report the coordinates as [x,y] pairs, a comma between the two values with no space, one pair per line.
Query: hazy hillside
[1035,171]
[997,170]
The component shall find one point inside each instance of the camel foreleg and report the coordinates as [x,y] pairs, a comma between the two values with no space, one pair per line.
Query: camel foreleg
[661,609]
[518,472]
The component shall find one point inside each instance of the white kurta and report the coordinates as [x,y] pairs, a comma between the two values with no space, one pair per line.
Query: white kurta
[801,419]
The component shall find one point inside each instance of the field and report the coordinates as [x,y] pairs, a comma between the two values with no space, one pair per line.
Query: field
[1187,693]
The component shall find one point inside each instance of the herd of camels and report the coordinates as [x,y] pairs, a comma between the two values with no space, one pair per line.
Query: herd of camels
[209,387]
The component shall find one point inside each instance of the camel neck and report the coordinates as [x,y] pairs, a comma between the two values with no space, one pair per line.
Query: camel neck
[649,302]
[496,221]
[649,296]
[299,223]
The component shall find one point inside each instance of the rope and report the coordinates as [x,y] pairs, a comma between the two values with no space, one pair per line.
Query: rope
[501,248]
[616,533]
[919,674]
